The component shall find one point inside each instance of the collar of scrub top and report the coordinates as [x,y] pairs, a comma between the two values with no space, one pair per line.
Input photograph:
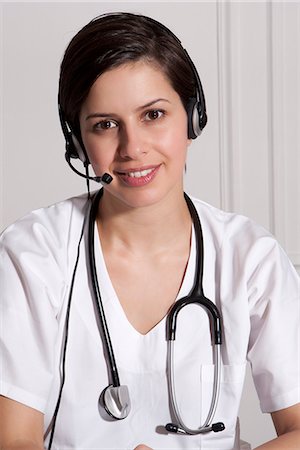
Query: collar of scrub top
[115,398]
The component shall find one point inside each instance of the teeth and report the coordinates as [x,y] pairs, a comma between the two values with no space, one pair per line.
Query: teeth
[142,173]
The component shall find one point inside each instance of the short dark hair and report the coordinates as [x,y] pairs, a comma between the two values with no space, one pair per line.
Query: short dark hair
[111,40]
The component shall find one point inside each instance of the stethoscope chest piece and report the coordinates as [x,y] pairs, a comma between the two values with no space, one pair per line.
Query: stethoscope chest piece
[116,401]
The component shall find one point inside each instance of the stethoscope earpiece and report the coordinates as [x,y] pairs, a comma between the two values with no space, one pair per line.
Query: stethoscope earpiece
[215,427]
[219,426]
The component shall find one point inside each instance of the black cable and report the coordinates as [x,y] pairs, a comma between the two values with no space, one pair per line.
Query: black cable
[86,165]
[55,414]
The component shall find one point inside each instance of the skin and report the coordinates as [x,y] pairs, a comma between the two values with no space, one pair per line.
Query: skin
[140,137]
[133,137]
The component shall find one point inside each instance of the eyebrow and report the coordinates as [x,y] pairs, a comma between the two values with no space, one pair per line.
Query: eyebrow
[139,108]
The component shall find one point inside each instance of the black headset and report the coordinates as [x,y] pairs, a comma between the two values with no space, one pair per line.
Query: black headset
[196,113]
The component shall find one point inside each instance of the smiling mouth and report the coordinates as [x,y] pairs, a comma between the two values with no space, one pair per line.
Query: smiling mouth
[138,173]
[138,177]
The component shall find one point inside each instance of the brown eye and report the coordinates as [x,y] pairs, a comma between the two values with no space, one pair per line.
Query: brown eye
[105,125]
[154,114]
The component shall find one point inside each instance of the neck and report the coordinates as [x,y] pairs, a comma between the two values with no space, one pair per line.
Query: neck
[152,228]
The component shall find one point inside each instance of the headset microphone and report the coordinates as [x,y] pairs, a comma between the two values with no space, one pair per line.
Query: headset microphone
[105,178]
[76,150]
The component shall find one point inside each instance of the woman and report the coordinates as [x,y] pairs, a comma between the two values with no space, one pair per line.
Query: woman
[130,103]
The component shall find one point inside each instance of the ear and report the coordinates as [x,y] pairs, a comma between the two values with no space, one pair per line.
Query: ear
[81,152]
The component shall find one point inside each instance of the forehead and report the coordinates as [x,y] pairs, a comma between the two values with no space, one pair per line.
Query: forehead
[136,81]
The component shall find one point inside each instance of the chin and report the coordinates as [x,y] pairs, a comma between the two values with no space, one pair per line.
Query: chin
[136,197]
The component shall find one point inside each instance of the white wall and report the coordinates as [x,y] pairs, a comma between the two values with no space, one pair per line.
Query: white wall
[247,160]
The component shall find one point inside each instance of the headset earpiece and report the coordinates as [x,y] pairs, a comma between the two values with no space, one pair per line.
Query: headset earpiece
[74,150]
[196,118]
[77,150]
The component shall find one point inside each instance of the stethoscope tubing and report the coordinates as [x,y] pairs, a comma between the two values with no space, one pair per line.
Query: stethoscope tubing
[207,424]
[204,302]
[196,296]
[108,348]
[197,291]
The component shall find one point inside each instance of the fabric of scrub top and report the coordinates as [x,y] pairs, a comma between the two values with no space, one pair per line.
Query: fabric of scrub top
[246,274]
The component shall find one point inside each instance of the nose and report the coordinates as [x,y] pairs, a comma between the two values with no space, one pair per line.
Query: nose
[131,145]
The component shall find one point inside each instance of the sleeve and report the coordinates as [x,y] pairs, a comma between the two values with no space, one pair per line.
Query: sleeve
[32,287]
[274,345]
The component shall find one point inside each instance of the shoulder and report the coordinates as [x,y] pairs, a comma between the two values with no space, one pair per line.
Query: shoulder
[228,224]
[37,252]
[46,239]
[54,222]
[240,241]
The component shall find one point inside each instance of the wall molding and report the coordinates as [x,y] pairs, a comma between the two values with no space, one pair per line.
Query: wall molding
[229,76]
[278,161]
[225,122]
[286,134]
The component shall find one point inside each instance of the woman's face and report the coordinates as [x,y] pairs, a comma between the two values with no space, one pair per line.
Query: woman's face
[134,127]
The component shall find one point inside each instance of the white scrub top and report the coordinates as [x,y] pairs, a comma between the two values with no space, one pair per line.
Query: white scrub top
[246,274]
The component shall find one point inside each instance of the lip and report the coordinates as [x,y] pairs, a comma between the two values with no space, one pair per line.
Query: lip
[141,180]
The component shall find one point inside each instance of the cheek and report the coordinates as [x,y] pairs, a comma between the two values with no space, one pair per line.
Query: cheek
[98,152]
[176,142]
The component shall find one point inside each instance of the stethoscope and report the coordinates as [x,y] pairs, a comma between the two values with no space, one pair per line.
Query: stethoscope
[115,397]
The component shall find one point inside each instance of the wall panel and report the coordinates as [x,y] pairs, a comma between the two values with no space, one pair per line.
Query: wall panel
[286,119]
[258,82]
[259,101]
